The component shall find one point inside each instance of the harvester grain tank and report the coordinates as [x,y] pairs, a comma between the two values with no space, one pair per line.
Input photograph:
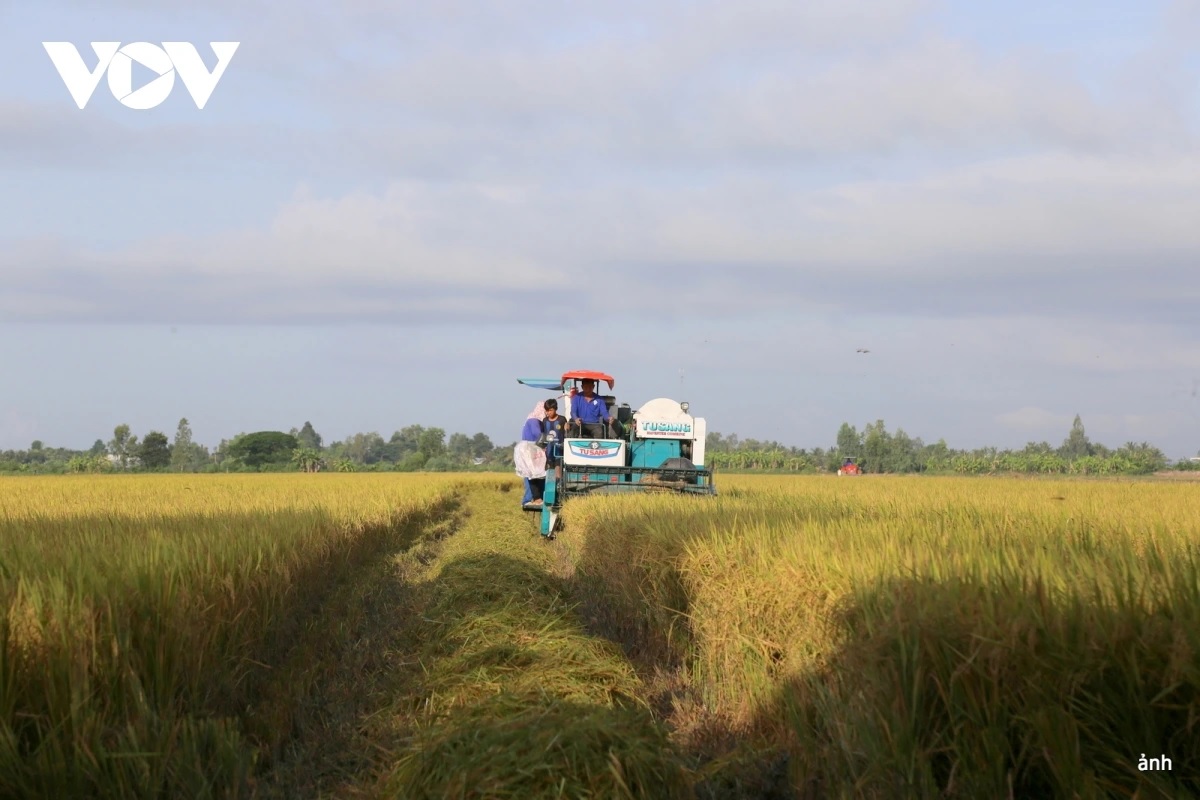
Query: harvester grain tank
[657,448]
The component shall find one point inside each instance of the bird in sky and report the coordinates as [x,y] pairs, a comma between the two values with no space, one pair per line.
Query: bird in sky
[862,350]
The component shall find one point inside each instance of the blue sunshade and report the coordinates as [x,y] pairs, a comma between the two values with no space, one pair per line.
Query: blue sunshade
[542,383]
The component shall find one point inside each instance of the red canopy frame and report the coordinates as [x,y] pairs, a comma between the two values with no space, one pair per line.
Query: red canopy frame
[586,374]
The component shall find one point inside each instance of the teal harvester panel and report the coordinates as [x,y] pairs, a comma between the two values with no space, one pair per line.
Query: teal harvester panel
[653,453]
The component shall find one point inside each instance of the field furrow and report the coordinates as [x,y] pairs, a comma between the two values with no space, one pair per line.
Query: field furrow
[505,693]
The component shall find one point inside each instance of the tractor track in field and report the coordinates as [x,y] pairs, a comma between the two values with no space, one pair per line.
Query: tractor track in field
[332,751]
[505,693]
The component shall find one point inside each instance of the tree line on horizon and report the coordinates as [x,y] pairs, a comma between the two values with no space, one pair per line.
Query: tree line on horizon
[411,448]
[417,448]
[876,450]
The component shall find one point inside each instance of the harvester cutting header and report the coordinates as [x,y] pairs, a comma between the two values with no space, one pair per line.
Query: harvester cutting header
[659,447]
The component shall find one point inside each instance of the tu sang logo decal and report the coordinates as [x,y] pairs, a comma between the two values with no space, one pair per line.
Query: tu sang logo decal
[595,449]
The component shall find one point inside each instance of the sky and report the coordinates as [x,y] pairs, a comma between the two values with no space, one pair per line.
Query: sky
[388,211]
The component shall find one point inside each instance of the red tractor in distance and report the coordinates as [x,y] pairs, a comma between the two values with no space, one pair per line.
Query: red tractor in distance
[849,467]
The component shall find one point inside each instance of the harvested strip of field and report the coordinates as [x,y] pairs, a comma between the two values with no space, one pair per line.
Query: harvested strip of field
[509,696]
[908,637]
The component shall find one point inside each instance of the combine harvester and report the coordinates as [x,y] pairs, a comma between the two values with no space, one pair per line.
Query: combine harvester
[658,448]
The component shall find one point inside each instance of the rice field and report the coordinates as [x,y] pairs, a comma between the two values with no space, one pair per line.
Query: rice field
[141,618]
[794,636]
[917,637]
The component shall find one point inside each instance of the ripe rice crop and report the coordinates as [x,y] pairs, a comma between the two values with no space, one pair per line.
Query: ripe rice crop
[877,637]
[921,636]
[141,618]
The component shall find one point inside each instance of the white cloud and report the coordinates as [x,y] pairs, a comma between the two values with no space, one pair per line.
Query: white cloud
[1004,212]
[687,96]
[405,237]
[723,152]
[1042,236]
[705,84]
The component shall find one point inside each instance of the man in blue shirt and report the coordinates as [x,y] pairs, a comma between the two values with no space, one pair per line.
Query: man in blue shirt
[589,412]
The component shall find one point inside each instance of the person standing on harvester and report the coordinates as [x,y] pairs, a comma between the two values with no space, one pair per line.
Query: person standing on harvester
[530,459]
[589,411]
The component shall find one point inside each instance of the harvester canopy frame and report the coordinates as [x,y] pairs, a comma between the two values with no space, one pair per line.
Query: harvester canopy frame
[569,380]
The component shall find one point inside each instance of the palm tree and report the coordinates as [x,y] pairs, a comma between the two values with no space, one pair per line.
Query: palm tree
[307,458]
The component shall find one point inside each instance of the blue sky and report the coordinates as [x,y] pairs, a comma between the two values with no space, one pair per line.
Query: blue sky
[388,211]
